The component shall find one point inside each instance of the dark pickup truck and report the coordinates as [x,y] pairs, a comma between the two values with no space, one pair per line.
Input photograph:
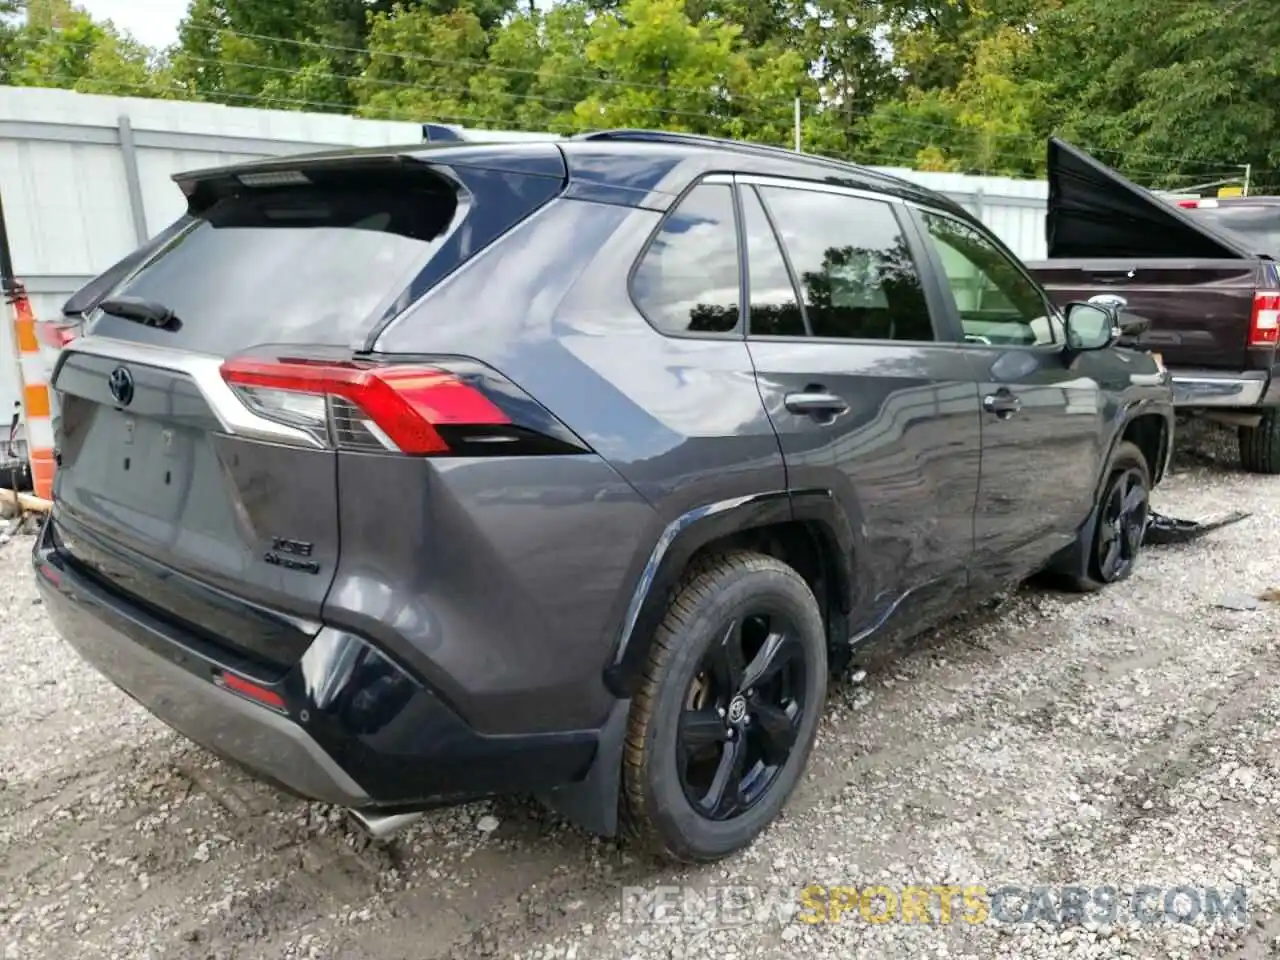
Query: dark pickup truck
[1203,279]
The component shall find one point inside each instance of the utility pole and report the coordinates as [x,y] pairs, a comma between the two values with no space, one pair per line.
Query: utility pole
[1248,170]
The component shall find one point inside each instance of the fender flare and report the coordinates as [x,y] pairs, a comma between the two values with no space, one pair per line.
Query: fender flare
[691,531]
[1129,413]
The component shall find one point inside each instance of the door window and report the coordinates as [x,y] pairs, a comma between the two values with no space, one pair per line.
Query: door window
[853,265]
[687,281]
[775,308]
[998,304]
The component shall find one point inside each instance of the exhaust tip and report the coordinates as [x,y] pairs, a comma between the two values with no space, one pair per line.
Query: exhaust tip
[380,826]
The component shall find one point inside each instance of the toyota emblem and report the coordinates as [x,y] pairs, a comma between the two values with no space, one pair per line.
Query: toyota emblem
[121,385]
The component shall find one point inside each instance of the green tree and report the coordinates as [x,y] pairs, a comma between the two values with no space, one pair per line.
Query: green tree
[408,74]
[60,45]
[663,70]
[284,54]
[1197,96]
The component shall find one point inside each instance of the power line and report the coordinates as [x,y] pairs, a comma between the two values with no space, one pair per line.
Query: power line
[360,79]
[739,109]
[371,55]
[437,61]
[863,157]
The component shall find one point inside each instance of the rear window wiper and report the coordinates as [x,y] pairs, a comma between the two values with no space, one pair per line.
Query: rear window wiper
[148,312]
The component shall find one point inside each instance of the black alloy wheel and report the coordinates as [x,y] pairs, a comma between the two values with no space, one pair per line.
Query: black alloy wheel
[742,714]
[1122,523]
[726,712]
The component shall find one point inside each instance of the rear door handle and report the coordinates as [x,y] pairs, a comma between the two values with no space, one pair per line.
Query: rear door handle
[1002,403]
[815,403]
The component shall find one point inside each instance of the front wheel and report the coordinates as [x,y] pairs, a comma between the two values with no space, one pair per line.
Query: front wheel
[728,708]
[1122,512]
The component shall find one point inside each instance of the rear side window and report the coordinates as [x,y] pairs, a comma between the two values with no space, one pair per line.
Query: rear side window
[687,281]
[853,263]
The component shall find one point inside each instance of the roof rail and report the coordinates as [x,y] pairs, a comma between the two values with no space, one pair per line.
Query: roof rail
[697,139]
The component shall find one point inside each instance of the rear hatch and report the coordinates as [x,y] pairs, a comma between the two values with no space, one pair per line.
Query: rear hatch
[1194,283]
[197,470]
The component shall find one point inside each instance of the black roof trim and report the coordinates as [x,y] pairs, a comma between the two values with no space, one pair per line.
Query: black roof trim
[721,143]
[871,179]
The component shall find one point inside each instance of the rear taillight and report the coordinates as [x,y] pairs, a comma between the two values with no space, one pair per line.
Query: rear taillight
[56,335]
[419,409]
[1264,328]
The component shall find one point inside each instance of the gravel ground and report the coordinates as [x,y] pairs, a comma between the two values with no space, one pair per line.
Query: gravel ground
[1126,739]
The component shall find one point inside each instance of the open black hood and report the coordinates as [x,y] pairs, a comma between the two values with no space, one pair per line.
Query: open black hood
[1096,214]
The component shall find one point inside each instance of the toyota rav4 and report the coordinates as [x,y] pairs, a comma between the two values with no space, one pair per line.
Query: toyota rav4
[574,469]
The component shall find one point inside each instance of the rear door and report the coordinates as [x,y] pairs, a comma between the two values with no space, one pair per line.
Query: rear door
[866,402]
[1042,415]
[217,504]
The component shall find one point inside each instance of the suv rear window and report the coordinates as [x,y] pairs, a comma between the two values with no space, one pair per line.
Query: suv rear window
[289,265]
[1259,223]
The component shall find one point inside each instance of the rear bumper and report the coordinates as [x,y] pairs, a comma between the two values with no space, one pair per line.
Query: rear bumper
[348,727]
[1214,388]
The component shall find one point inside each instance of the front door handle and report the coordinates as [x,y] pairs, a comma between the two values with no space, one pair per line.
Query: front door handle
[815,403]
[1002,403]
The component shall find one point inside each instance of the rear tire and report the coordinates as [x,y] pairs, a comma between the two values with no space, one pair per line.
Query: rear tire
[1260,445]
[1122,511]
[702,719]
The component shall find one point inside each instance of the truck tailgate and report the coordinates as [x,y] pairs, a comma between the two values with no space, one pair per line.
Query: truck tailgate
[1199,310]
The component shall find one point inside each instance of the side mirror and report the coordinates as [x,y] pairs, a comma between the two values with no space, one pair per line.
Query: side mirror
[1091,326]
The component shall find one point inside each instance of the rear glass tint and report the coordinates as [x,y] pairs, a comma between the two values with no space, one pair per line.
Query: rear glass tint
[1260,223]
[291,265]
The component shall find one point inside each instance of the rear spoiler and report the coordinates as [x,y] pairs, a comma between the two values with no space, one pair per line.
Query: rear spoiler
[1095,213]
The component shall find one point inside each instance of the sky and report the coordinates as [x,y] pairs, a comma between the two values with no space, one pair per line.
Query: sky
[153,22]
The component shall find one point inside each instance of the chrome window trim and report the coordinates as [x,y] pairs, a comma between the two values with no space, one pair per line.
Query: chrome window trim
[204,370]
[815,186]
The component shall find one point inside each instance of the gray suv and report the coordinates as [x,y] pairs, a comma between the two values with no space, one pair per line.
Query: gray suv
[576,469]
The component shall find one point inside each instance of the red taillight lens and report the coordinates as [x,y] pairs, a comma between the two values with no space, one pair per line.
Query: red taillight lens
[1264,330]
[56,335]
[253,691]
[1189,204]
[363,406]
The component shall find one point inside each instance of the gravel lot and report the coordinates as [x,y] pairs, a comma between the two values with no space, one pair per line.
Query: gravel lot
[1123,739]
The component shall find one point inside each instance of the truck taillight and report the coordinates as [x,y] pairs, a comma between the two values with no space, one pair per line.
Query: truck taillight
[1264,329]
[452,407]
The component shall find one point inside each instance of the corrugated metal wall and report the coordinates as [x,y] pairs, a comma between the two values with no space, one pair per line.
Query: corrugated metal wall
[1013,209]
[85,179]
